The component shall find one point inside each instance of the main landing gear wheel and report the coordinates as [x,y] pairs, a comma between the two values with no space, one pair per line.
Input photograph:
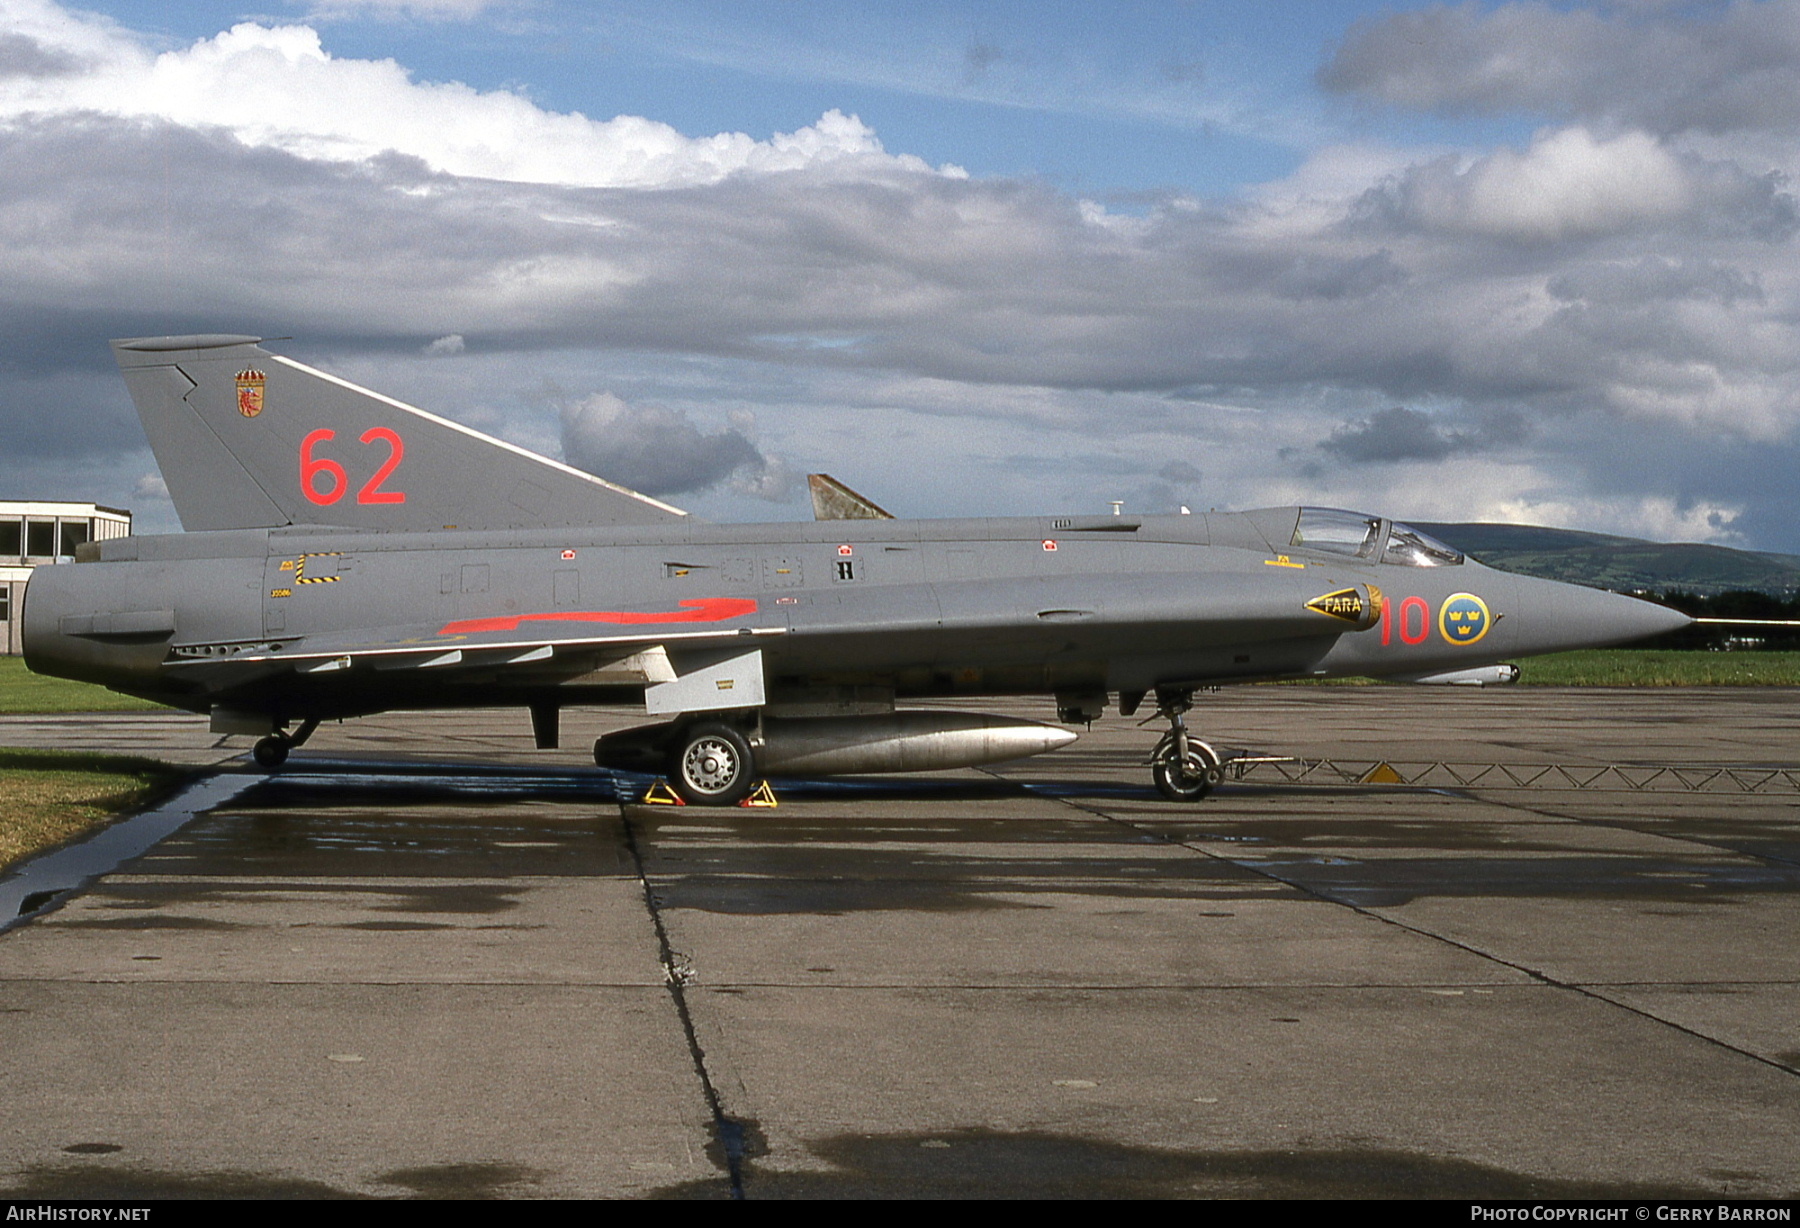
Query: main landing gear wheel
[1189,779]
[712,766]
[271,752]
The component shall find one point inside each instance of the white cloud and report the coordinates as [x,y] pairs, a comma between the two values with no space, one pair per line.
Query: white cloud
[1710,67]
[1701,394]
[660,451]
[1654,518]
[278,87]
[1312,197]
[985,345]
[1567,184]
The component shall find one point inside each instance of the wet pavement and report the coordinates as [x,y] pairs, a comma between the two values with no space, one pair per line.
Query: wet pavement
[427,960]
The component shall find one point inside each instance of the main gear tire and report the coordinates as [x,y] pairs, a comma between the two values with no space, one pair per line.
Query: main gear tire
[1189,781]
[271,752]
[712,766]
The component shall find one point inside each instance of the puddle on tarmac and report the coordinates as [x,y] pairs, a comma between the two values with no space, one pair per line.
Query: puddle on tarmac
[39,882]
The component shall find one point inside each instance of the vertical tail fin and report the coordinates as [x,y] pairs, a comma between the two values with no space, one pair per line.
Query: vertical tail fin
[832,500]
[249,439]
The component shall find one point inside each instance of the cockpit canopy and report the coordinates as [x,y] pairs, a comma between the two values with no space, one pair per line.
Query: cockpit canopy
[1336,531]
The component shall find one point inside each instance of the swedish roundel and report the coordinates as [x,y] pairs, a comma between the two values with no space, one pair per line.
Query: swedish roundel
[1464,618]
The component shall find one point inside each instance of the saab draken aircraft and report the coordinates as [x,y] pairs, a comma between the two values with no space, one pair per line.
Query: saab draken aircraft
[345,553]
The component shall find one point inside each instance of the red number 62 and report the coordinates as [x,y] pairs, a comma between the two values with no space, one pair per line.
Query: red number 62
[312,466]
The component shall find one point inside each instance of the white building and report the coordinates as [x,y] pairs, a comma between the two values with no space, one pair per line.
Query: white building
[36,534]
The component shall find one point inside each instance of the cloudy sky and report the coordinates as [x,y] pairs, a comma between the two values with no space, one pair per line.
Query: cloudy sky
[1501,261]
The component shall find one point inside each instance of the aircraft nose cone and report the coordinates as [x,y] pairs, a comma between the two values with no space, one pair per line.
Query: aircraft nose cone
[1645,618]
[1552,617]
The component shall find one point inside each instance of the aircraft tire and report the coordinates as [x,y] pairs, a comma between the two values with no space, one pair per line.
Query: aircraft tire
[1189,782]
[271,751]
[712,766]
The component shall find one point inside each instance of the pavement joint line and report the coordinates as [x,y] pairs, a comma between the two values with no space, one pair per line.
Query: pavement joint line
[1098,987]
[1584,989]
[1588,989]
[1545,978]
[346,880]
[678,970]
[1641,1013]
[1683,984]
[898,986]
[561,982]
[1623,825]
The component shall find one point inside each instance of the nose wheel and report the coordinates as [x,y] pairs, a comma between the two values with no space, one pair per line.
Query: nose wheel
[1185,778]
[1184,768]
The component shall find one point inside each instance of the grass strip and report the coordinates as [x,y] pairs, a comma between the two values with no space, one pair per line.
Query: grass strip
[23,691]
[1624,667]
[1660,667]
[50,797]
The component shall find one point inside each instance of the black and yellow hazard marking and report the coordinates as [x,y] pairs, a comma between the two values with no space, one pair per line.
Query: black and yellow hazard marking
[1381,774]
[300,576]
[1282,560]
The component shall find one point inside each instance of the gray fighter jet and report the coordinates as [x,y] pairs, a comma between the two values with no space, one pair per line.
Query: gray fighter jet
[346,553]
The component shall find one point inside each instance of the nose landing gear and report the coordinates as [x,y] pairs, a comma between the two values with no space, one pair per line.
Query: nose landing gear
[1184,768]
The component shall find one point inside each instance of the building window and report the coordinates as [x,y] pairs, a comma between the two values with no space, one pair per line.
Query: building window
[12,538]
[5,602]
[40,538]
[74,533]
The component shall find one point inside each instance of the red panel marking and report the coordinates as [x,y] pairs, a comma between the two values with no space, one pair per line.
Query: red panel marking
[706,610]
[1422,608]
[311,467]
[371,491]
[1049,545]
[845,551]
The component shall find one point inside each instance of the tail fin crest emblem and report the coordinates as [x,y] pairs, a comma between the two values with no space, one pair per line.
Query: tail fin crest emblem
[250,384]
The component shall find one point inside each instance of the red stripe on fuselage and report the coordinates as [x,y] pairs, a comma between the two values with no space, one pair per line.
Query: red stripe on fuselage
[706,610]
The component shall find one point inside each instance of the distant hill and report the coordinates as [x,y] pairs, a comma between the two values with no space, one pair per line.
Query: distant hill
[1625,564]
